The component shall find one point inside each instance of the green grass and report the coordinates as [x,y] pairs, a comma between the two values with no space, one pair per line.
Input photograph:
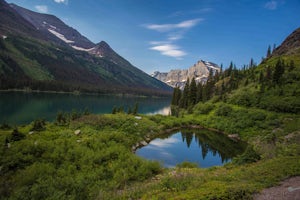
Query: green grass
[99,163]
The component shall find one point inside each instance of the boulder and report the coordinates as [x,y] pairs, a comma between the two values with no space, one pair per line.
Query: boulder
[77,132]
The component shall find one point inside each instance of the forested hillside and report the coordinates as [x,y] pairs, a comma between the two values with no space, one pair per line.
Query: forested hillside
[272,85]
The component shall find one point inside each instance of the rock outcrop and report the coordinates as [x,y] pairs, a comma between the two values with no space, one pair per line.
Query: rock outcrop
[178,77]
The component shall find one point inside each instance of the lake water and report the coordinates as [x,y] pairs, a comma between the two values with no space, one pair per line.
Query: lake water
[21,108]
[206,148]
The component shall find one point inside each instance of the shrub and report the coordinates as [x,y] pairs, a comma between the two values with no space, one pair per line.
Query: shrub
[249,156]
[38,125]
[4,126]
[204,108]
[16,135]
[187,164]
[223,110]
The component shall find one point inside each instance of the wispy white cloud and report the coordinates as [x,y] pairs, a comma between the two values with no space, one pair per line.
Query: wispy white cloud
[169,50]
[41,8]
[174,32]
[169,27]
[271,5]
[61,1]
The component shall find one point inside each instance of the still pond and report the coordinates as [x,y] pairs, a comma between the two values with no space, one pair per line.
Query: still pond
[203,147]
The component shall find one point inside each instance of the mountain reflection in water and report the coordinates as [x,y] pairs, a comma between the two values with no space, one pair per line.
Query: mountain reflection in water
[206,148]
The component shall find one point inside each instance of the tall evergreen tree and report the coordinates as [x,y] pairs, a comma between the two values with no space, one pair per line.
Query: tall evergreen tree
[185,95]
[135,108]
[176,96]
[193,92]
[268,76]
[251,63]
[199,92]
[269,51]
[278,72]
[291,65]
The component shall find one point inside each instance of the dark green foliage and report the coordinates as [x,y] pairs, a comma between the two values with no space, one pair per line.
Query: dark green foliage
[130,110]
[185,95]
[61,165]
[5,126]
[249,156]
[204,108]
[223,110]
[16,135]
[192,92]
[187,164]
[38,125]
[278,72]
[61,118]
[135,108]
[176,96]
[114,110]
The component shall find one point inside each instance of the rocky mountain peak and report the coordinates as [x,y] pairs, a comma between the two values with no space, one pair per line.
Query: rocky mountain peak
[102,49]
[179,77]
[55,29]
[290,45]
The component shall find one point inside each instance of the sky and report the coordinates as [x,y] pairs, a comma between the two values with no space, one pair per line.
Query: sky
[160,35]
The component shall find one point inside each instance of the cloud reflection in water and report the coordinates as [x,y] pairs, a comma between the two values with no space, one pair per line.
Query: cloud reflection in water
[160,152]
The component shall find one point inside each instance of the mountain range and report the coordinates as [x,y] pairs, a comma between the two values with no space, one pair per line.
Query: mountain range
[178,77]
[40,52]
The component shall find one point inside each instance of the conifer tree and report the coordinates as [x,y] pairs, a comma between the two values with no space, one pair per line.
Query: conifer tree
[135,108]
[269,52]
[199,92]
[185,94]
[193,92]
[291,65]
[278,72]
[176,96]
[268,76]
[251,63]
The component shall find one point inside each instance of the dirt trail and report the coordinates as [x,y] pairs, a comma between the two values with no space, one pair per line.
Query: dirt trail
[287,190]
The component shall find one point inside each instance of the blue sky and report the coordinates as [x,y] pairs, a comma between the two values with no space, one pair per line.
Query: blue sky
[172,34]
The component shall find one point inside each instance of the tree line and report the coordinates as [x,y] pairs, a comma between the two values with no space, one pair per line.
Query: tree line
[220,83]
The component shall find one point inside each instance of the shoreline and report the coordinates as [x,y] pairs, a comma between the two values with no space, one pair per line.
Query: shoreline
[78,93]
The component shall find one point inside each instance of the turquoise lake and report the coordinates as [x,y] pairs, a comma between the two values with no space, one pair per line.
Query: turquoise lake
[20,107]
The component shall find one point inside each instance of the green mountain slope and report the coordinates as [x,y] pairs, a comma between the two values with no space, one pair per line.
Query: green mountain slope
[40,65]
[32,57]
[272,85]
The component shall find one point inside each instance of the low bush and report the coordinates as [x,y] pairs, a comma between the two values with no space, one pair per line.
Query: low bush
[249,156]
[187,164]
[204,108]
[38,125]
[223,110]
[16,135]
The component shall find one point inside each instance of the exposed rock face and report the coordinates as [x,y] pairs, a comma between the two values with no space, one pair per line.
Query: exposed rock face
[290,45]
[178,77]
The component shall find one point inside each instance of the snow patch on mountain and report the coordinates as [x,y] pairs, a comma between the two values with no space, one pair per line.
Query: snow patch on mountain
[81,49]
[60,36]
